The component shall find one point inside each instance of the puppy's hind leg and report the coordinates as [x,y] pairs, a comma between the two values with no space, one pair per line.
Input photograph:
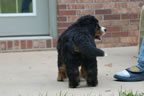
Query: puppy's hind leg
[90,66]
[83,72]
[73,72]
[61,69]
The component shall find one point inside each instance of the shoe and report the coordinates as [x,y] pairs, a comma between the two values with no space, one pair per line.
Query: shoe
[131,74]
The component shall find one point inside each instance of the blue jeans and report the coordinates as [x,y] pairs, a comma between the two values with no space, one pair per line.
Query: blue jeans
[25,6]
[141,57]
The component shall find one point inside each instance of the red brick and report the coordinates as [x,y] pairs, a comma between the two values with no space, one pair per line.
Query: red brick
[42,43]
[54,42]
[124,5]
[113,28]
[133,28]
[130,28]
[64,24]
[141,4]
[35,43]
[128,40]
[120,22]
[133,33]
[85,12]
[111,40]
[106,23]
[129,16]
[16,44]
[102,1]
[99,17]
[111,17]
[66,1]
[3,45]
[100,45]
[98,41]
[61,6]
[73,18]
[104,45]
[66,12]
[132,4]
[62,19]
[134,22]
[23,44]
[48,42]
[136,0]
[107,34]
[60,31]
[134,10]
[104,11]
[76,6]
[126,11]
[111,5]
[125,28]
[84,1]
[29,44]
[120,11]
[134,44]
[107,45]
[93,6]
[123,34]
[119,0]
[10,45]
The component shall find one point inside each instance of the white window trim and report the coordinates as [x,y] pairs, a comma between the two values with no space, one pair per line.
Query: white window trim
[27,38]
[21,14]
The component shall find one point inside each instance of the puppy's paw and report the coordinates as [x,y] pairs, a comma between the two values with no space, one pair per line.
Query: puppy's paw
[105,54]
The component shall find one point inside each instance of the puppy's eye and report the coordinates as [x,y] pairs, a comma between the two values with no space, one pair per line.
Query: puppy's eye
[97,27]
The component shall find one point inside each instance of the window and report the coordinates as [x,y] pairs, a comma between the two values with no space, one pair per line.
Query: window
[17,7]
[14,22]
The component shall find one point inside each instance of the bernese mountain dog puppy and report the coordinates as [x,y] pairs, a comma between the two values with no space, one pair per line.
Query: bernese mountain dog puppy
[76,47]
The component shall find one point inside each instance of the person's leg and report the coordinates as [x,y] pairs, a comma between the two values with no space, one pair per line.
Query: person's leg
[141,57]
[135,73]
[25,6]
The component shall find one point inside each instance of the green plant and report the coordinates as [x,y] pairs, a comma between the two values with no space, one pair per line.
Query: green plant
[61,94]
[129,93]
[43,94]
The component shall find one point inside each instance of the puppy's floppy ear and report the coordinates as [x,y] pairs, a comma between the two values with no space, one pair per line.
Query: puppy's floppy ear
[87,20]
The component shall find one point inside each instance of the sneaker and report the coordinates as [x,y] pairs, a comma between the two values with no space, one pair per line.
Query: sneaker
[131,74]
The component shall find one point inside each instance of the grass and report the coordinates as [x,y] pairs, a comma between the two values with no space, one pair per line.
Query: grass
[130,93]
[61,94]
[121,93]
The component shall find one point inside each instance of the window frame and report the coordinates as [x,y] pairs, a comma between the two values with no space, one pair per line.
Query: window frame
[34,13]
[52,16]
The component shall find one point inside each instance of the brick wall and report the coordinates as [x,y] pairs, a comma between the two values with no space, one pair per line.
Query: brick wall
[120,17]
[27,45]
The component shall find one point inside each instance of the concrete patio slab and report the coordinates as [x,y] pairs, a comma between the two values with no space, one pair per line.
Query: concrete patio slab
[34,74]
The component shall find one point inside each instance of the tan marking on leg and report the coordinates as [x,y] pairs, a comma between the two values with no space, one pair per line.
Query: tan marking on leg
[62,73]
[83,73]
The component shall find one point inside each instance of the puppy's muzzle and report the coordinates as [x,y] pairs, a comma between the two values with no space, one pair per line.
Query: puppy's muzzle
[103,29]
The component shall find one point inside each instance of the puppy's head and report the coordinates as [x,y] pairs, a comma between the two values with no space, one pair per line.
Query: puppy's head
[100,31]
[92,24]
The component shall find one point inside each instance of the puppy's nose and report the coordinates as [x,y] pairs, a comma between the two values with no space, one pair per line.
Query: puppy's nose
[105,30]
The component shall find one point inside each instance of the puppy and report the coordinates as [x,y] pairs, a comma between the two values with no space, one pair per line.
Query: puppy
[76,47]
